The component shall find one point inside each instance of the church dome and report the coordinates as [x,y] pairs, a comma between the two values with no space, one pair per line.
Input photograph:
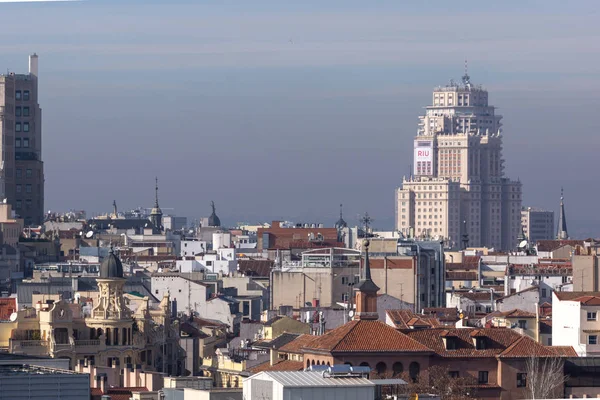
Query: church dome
[213,220]
[111,267]
[340,222]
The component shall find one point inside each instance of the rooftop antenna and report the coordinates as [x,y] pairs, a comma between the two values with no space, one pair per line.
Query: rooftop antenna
[466,78]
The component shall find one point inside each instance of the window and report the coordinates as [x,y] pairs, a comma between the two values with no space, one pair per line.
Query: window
[523,324]
[17,127]
[521,379]
[591,315]
[25,95]
[482,377]
[451,343]
[544,293]
[26,111]
[25,126]
[17,111]
[209,263]
[18,145]
[593,339]
[18,188]
[18,95]
[18,204]
[19,172]
[25,142]
[454,374]
[344,280]
[480,343]
[28,172]
[28,188]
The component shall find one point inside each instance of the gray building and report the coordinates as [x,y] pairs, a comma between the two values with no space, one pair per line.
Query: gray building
[19,381]
[537,224]
[21,165]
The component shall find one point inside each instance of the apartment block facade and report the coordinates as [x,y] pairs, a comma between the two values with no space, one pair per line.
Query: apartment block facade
[537,224]
[21,165]
[457,191]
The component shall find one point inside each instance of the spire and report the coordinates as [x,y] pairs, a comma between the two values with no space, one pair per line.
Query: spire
[156,195]
[466,79]
[366,290]
[213,220]
[366,284]
[341,223]
[562,233]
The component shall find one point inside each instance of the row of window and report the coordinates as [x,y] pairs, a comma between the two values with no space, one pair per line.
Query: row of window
[21,126]
[27,188]
[28,173]
[21,143]
[19,204]
[22,111]
[24,95]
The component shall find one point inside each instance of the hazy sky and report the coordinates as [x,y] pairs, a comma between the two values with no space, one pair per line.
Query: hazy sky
[277,109]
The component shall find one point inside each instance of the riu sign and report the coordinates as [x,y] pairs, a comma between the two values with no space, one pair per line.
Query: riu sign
[423,157]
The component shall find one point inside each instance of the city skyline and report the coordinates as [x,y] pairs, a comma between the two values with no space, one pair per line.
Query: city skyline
[345,97]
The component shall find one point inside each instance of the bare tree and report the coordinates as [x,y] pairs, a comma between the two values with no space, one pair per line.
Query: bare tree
[545,377]
[439,382]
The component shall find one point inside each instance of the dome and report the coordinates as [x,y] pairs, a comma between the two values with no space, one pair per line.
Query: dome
[213,220]
[111,267]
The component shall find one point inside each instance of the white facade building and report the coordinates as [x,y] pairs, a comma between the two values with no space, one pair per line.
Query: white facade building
[189,295]
[189,248]
[575,321]
[457,190]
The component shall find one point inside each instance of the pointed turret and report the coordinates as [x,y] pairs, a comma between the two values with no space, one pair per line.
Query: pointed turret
[340,222]
[156,213]
[562,233]
[366,290]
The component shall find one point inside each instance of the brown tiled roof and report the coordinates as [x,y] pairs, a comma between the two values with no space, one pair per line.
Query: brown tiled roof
[516,313]
[406,319]
[208,323]
[588,300]
[461,267]
[461,276]
[572,296]
[260,268]
[478,296]
[526,347]
[283,365]
[551,245]
[445,314]
[365,336]
[296,345]
[392,263]
[565,351]
[498,340]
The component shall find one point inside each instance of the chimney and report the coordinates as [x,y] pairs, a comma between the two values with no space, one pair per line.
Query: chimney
[274,356]
[33,65]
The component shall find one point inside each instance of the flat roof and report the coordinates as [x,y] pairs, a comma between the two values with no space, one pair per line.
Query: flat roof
[24,369]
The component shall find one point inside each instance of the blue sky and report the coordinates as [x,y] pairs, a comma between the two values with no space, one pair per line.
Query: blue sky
[285,109]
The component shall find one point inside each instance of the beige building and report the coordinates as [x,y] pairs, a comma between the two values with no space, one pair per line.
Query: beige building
[22,169]
[101,329]
[457,190]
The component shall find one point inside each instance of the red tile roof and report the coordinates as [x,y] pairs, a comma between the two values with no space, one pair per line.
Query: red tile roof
[461,275]
[283,365]
[572,296]
[296,345]
[565,351]
[551,245]
[526,347]
[365,336]
[516,313]
[588,300]
[406,319]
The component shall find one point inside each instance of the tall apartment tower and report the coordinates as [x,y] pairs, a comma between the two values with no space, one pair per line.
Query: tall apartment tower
[21,166]
[537,224]
[457,191]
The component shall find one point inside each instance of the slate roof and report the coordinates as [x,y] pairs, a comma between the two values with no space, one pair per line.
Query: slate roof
[276,343]
[258,268]
[365,336]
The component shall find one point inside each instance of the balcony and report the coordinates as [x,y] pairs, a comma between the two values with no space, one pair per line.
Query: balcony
[87,343]
[30,347]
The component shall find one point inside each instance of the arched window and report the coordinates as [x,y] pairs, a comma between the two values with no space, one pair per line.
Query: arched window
[307,363]
[348,363]
[413,370]
[329,365]
[312,362]
[318,362]
[381,368]
[365,364]
[398,368]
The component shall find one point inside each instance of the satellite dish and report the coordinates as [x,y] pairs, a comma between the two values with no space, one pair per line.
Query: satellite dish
[523,244]
[13,317]
[351,313]
[89,234]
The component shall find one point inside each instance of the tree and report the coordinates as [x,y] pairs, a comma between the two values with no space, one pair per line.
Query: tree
[438,381]
[545,377]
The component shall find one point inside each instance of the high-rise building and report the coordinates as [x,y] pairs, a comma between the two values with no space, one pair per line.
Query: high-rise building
[21,166]
[457,191]
[537,224]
